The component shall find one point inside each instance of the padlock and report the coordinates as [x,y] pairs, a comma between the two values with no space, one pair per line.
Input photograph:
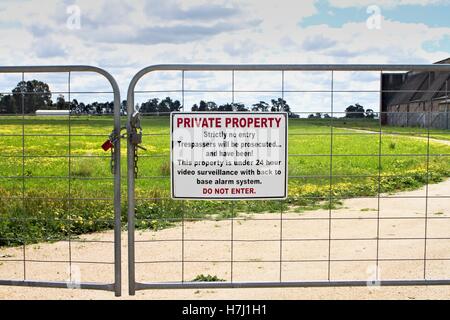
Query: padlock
[107,145]
[136,138]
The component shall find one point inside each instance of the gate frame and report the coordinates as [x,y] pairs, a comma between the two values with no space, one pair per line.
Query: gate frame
[116,287]
[133,285]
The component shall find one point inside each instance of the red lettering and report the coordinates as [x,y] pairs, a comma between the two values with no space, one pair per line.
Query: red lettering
[239,191]
[199,122]
[236,122]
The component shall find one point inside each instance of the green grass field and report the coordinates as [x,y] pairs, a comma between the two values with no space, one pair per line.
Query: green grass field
[40,201]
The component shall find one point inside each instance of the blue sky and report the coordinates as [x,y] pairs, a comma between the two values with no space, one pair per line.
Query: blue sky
[125,36]
[432,14]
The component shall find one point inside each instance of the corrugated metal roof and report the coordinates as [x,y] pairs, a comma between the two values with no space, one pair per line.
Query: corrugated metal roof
[436,86]
[418,87]
[409,88]
[445,61]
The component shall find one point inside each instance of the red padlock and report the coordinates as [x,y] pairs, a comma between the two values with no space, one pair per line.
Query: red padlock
[107,145]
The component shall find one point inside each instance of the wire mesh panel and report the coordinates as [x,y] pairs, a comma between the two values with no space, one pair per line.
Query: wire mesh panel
[368,183]
[57,186]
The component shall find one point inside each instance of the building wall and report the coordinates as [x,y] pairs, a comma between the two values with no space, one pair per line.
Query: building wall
[419,114]
[52,112]
[389,81]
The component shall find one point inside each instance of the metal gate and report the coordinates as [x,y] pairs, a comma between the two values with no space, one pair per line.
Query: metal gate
[51,190]
[193,244]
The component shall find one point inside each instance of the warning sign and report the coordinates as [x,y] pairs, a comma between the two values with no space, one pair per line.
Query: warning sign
[229,156]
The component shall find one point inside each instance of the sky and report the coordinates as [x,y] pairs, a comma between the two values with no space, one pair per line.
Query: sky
[124,36]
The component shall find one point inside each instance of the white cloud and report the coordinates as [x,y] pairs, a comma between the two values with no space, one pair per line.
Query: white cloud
[49,48]
[280,13]
[384,3]
[317,43]
[125,36]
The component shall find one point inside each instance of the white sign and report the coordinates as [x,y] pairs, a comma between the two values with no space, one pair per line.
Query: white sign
[229,156]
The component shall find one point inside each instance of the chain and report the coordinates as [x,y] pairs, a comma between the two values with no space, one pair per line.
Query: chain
[136,140]
[136,160]
[113,162]
[113,138]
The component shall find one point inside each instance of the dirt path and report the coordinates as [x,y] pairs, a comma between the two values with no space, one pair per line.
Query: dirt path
[355,220]
[446,142]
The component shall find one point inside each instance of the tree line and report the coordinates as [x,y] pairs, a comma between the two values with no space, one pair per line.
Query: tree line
[169,105]
[356,111]
[30,96]
[36,95]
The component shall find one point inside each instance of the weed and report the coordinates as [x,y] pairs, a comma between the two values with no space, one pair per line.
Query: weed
[164,169]
[207,278]
[84,169]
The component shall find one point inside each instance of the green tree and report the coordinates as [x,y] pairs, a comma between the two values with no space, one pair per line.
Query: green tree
[8,105]
[355,111]
[280,105]
[34,94]
[168,105]
[240,107]
[203,106]
[75,107]
[228,107]
[123,107]
[261,106]
[176,106]
[317,115]
[212,106]
[370,114]
[85,108]
[151,106]
[61,103]
[96,107]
